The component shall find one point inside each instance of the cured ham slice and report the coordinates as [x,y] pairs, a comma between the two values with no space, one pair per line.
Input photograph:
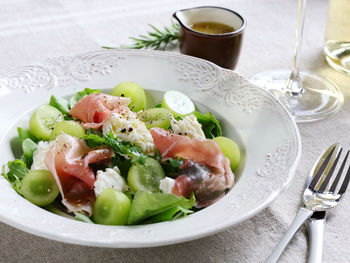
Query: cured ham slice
[207,186]
[206,171]
[96,108]
[68,160]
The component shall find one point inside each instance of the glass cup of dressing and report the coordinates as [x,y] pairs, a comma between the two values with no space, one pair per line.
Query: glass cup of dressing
[211,33]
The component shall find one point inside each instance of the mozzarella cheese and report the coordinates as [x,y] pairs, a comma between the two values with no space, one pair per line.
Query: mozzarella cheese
[187,126]
[166,185]
[39,155]
[127,127]
[110,178]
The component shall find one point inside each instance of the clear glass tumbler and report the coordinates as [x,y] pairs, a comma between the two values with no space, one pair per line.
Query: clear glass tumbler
[337,45]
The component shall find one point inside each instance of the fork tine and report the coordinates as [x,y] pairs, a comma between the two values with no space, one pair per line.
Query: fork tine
[336,180]
[345,182]
[321,170]
[330,173]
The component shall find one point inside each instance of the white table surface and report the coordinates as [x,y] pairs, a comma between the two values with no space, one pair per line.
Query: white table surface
[31,31]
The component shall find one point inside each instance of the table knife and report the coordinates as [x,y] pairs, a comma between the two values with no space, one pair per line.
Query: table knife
[316,226]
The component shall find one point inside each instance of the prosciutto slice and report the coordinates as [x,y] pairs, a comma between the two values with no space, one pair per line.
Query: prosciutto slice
[206,171]
[96,108]
[68,160]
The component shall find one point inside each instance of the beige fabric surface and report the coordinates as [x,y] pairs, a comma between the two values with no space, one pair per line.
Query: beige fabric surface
[31,31]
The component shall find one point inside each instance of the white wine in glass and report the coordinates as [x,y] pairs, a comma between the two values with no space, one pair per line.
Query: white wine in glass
[307,96]
[337,45]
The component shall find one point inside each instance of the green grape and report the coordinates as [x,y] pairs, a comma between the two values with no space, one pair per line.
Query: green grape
[39,187]
[133,91]
[178,103]
[43,120]
[112,207]
[230,149]
[70,127]
[145,177]
[155,117]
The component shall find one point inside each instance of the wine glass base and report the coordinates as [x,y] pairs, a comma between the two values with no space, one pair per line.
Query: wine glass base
[319,99]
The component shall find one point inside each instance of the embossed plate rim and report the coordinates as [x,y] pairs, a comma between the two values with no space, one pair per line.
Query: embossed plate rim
[231,87]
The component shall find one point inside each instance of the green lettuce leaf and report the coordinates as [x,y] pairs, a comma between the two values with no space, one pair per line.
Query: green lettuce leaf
[17,170]
[93,131]
[81,217]
[24,134]
[81,94]
[53,208]
[28,147]
[210,125]
[28,142]
[157,207]
[173,213]
[176,163]
[121,148]
[93,140]
[176,212]
[171,167]
[122,163]
[61,104]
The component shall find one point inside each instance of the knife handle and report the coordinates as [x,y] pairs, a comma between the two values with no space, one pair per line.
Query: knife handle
[316,230]
[300,218]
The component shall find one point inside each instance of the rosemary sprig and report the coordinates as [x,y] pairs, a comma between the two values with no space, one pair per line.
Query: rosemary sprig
[156,39]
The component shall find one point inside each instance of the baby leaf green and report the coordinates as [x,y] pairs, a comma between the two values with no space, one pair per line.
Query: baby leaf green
[28,147]
[17,170]
[146,205]
[24,134]
[210,125]
[61,104]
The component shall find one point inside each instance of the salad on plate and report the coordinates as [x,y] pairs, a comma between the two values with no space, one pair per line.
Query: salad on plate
[106,159]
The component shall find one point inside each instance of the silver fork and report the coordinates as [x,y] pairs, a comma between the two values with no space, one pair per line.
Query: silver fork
[318,195]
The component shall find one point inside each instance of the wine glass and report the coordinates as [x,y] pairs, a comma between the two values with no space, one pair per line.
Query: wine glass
[307,96]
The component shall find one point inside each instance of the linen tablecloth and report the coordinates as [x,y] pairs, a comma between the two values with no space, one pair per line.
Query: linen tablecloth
[31,31]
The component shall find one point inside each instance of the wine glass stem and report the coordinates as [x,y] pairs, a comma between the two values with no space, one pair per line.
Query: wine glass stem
[294,84]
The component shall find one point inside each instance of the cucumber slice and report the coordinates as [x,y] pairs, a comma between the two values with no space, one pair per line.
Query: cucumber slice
[178,103]
[43,120]
[133,91]
[39,187]
[155,117]
[70,127]
[230,149]
[145,177]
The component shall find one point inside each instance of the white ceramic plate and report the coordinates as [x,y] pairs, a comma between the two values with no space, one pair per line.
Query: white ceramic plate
[268,138]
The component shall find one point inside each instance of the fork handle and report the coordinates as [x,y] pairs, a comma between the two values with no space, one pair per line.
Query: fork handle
[300,218]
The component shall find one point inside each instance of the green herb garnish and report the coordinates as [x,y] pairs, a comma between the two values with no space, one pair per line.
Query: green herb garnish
[155,39]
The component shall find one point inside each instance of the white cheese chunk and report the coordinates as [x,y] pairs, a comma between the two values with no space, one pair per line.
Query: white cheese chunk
[166,185]
[110,178]
[127,127]
[39,155]
[188,126]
